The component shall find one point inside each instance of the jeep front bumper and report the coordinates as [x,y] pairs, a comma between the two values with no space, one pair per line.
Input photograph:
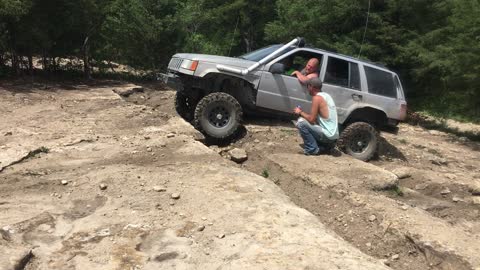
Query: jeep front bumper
[171,80]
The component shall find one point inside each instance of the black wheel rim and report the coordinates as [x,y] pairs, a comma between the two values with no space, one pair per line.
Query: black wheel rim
[359,142]
[219,116]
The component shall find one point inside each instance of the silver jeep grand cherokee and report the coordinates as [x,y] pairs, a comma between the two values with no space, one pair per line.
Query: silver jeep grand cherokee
[215,91]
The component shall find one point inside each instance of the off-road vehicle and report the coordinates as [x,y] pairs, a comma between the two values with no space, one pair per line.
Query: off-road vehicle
[214,92]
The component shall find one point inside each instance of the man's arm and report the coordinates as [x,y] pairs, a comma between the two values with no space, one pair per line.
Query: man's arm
[302,78]
[317,103]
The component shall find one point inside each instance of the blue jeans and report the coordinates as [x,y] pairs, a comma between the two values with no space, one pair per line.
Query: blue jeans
[312,135]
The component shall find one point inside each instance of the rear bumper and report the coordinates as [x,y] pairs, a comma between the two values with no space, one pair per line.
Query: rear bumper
[171,80]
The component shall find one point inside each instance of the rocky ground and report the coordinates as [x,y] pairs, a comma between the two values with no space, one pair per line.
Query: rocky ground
[91,179]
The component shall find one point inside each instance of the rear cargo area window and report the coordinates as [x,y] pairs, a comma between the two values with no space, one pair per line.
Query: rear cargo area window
[342,73]
[380,82]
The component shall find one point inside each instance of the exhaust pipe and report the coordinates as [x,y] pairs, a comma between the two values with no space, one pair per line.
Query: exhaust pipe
[299,41]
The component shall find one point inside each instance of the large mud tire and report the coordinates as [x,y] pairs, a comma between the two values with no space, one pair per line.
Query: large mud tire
[360,140]
[218,116]
[185,106]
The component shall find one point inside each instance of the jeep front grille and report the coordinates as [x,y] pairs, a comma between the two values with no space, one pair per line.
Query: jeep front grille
[175,63]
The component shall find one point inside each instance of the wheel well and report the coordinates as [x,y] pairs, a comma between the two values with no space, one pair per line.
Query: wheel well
[240,89]
[369,115]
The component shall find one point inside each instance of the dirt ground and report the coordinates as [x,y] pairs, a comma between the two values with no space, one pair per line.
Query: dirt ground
[415,207]
[440,180]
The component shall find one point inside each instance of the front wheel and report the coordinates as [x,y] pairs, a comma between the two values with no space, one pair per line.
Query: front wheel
[360,140]
[218,115]
[185,106]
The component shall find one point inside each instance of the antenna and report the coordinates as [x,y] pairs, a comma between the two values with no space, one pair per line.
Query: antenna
[365,31]
[233,37]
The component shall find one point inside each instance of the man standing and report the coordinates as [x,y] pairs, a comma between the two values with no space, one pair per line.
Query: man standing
[319,128]
[310,71]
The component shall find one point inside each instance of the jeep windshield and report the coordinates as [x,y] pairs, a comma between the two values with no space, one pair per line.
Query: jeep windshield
[263,52]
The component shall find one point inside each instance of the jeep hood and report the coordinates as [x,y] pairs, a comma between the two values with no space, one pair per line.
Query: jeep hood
[215,59]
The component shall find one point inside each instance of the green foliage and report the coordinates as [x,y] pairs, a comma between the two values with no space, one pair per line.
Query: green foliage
[433,44]
[265,173]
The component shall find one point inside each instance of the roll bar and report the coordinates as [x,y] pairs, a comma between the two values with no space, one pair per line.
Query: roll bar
[299,42]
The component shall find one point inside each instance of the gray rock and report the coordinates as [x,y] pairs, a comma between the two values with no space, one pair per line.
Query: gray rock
[159,189]
[128,91]
[421,186]
[451,176]
[175,196]
[445,191]
[238,155]
[476,200]
[402,173]
[103,186]
[439,161]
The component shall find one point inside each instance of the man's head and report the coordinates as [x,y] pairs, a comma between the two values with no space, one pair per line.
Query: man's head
[314,86]
[312,66]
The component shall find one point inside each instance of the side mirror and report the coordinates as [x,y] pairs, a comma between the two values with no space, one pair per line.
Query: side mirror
[277,68]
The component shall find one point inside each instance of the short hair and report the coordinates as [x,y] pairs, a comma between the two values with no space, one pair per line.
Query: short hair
[315,82]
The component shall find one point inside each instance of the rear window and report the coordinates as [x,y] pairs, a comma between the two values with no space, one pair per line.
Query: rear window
[342,73]
[380,82]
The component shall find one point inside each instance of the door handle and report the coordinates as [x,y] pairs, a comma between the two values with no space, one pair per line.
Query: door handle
[357,97]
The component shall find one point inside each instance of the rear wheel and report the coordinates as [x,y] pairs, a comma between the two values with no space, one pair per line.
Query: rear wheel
[218,115]
[360,140]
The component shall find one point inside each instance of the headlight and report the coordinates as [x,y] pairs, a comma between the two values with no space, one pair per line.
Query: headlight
[189,64]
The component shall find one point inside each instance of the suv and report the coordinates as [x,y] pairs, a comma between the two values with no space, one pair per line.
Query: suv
[214,92]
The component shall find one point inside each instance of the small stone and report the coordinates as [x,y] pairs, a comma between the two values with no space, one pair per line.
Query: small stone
[456,199]
[238,155]
[204,218]
[405,207]
[395,257]
[260,189]
[172,203]
[372,218]
[386,262]
[402,173]
[103,186]
[159,189]
[445,191]
[451,176]
[421,186]
[476,200]
[170,135]
[9,133]
[256,141]
[175,196]
[149,149]
[201,228]
[369,245]
[146,137]
[64,182]
[221,236]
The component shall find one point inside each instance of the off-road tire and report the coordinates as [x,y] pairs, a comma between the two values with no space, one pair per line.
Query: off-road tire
[218,116]
[360,140]
[185,106]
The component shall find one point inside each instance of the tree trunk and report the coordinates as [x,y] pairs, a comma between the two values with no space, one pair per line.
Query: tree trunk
[15,62]
[86,60]
[30,64]
[44,61]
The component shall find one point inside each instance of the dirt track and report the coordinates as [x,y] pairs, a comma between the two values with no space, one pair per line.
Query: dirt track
[427,220]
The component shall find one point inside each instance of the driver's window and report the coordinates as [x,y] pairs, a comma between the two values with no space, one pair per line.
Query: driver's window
[298,60]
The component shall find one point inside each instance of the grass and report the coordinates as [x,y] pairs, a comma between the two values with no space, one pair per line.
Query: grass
[397,191]
[265,173]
